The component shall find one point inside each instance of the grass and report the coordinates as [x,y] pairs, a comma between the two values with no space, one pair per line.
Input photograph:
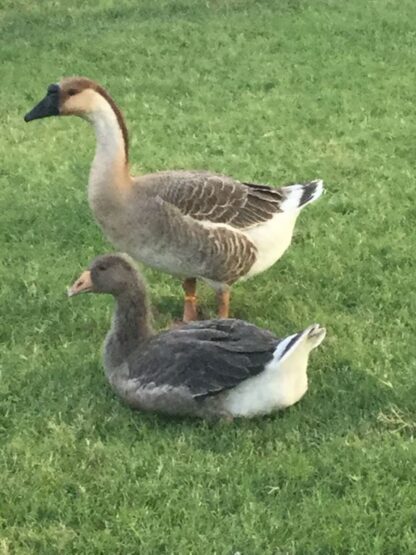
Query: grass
[264,91]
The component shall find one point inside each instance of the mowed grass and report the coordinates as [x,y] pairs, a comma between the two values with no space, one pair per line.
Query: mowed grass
[269,92]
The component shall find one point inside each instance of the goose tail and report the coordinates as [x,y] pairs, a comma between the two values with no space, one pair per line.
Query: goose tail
[299,195]
[311,337]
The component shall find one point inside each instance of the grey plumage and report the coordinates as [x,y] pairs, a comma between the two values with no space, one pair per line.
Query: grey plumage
[193,370]
[207,357]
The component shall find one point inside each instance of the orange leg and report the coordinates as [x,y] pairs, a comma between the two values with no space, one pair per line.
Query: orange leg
[223,298]
[189,308]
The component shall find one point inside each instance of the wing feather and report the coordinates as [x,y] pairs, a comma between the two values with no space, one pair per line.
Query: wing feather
[220,199]
[205,357]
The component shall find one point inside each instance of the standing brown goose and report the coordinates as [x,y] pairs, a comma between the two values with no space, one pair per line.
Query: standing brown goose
[192,224]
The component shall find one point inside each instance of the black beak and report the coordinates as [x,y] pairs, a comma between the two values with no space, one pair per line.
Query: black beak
[49,106]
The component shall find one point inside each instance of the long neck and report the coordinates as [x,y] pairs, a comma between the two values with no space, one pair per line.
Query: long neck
[130,328]
[109,175]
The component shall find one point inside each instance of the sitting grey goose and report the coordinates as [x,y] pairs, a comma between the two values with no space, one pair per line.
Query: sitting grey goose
[213,368]
[192,224]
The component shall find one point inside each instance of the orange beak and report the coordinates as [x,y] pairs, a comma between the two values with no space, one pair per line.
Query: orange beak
[82,285]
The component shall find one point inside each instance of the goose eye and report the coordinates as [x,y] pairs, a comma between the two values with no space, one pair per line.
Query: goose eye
[72,92]
[101,267]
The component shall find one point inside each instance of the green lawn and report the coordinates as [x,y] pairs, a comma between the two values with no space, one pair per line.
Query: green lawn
[267,91]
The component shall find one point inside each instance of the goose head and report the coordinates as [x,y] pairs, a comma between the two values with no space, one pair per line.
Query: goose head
[82,97]
[110,273]
[73,96]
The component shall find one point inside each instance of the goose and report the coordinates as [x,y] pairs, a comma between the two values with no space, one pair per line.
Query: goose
[221,368]
[191,224]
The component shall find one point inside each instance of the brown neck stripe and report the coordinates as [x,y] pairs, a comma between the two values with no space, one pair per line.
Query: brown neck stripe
[119,117]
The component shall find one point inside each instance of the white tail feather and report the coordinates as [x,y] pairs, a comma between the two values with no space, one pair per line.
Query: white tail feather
[299,195]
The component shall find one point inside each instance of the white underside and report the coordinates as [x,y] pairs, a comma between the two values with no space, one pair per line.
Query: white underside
[271,238]
[282,383]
